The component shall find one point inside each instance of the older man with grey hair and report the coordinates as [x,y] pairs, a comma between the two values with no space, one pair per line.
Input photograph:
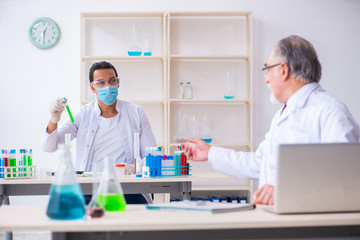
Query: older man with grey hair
[309,115]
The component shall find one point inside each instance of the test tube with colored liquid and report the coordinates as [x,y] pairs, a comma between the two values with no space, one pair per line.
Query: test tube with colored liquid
[68,110]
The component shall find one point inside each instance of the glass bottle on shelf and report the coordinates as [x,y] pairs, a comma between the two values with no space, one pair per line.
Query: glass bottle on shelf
[147,47]
[181,90]
[110,194]
[206,135]
[66,199]
[180,136]
[188,91]
[134,50]
[229,87]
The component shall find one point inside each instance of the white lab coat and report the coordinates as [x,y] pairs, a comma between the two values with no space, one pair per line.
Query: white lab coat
[311,116]
[86,122]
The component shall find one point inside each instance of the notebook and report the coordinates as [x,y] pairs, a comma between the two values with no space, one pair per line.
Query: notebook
[201,206]
[317,178]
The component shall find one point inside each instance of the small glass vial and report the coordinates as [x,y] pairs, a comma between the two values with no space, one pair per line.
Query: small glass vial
[188,91]
[147,47]
[229,84]
[181,90]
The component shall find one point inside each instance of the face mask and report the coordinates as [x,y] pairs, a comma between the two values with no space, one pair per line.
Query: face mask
[108,94]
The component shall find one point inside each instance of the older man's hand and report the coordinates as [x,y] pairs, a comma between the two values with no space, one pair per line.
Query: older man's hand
[265,195]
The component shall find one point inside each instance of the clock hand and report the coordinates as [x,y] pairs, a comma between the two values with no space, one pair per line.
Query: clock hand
[43,35]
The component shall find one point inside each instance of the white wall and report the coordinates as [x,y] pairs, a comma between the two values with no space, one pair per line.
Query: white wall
[31,78]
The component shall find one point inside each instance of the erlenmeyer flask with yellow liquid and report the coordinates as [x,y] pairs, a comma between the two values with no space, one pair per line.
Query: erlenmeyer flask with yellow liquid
[110,194]
[66,199]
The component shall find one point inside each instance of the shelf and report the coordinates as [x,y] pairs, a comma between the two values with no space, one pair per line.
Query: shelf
[218,145]
[146,102]
[210,101]
[107,15]
[221,188]
[209,14]
[123,58]
[210,58]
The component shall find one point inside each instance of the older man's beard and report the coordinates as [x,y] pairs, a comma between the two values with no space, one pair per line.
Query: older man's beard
[273,99]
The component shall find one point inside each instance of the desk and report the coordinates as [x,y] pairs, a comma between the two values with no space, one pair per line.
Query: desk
[139,223]
[129,183]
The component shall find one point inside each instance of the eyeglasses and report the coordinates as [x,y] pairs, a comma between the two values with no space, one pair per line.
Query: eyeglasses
[266,68]
[104,82]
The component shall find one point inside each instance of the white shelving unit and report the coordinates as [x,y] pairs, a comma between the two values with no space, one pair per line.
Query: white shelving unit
[202,47]
[108,36]
[199,47]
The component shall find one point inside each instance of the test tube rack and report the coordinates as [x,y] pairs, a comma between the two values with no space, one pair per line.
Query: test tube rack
[18,172]
[166,166]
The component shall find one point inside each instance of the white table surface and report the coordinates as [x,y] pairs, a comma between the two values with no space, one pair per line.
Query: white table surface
[138,218]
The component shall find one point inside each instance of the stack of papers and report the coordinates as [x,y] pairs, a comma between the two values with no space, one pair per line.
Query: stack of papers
[202,206]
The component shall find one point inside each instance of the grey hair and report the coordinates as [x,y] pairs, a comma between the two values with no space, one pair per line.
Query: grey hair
[300,55]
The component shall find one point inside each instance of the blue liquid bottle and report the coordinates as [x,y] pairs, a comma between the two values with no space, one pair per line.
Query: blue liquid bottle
[66,199]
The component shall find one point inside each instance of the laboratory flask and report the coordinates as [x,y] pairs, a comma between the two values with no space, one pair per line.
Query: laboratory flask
[229,87]
[93,210]
[66,199]
[110,194]
[134,50]
[206,136]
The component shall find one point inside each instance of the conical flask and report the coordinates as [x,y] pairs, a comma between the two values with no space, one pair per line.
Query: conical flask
[110,194]
[66,199]
[134,50]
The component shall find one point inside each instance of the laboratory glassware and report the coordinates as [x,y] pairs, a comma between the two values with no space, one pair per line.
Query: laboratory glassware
[93,210]
[147,47]
[188,91]
[194,128]
[134,50]
[66,199]
[181,90]
[206,136]
[180,136]
[229,87]
[110,194]
[137,158]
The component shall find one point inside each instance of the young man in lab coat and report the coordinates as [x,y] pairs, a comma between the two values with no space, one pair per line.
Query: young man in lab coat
[309,115]
[102,128]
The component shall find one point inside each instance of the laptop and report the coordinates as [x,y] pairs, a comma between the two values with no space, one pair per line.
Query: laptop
[317,178]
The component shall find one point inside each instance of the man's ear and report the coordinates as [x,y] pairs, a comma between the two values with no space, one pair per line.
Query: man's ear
[92,88]
[284,71]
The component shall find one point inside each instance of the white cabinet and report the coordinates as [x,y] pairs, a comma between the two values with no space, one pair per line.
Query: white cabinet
[196,47]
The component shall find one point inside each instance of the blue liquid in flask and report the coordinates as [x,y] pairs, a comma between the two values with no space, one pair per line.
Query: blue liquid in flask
[207,140]
[66,202]
[134,53]
[229,97]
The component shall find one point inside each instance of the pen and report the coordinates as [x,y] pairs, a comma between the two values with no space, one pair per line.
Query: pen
[68,110]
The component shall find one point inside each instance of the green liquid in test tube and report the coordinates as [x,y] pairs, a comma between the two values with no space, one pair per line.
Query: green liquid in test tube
[69,112]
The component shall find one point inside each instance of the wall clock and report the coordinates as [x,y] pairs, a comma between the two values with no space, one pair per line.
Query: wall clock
[44,33]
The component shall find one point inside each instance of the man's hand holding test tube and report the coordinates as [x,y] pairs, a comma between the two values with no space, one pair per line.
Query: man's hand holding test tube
[57,107]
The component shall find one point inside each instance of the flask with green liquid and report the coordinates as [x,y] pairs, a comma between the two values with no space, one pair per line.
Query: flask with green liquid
[110,195]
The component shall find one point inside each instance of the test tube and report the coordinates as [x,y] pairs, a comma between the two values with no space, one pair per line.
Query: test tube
[30,161]
[12,161]
[68,110]
[68,139]
[1,167]
[137,158]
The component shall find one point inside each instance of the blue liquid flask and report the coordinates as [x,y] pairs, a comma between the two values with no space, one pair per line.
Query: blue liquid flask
[134,50]
[66,199]
[229,93]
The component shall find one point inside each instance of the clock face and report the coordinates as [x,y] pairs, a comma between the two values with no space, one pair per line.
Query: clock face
[44,33]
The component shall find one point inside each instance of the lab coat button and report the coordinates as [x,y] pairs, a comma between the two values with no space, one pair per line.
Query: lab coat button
[87,145]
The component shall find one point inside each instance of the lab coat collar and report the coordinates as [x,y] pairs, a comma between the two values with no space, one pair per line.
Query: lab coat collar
[97,109]
[298,100]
